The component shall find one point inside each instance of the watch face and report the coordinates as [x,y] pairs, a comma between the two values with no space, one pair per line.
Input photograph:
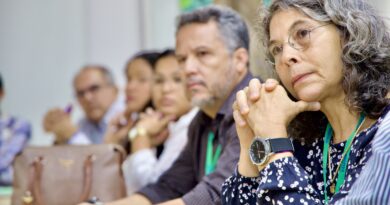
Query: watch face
[258,151]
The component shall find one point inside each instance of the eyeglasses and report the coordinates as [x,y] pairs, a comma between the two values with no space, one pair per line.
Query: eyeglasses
[299,39]
[91,89]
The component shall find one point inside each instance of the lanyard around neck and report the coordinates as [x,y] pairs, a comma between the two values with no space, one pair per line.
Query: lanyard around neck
[343,163]
[211,158]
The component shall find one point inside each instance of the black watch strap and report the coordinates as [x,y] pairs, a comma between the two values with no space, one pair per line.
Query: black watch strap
[280,145]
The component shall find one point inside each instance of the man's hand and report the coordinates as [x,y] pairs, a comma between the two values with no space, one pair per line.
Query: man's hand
[59,123]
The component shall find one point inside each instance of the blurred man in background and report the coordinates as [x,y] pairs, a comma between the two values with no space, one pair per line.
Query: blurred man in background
[97,94]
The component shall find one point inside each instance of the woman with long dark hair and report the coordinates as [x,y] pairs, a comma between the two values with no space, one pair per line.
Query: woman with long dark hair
[139,71]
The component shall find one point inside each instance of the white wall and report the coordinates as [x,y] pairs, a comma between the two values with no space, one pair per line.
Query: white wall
[41,45]
[112,32]
[161,20]
[44,42]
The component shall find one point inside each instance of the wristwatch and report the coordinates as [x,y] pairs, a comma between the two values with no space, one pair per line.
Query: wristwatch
[261,149]
[136,131]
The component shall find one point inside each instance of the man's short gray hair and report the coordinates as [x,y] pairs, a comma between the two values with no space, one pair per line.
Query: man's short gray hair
[106,73]
[232,27]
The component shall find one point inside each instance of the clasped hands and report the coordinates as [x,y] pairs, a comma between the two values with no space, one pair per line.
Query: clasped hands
[265,110]
[154,123]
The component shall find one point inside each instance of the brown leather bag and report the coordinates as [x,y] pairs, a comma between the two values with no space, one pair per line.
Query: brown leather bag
[68,175]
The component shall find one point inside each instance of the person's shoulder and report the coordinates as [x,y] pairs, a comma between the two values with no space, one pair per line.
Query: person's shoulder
[197,125]
[199,119]
[24,123]
[383,122]
[381,139]
[189,116]
[18,124]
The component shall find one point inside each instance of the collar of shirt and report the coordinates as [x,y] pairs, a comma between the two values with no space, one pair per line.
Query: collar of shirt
[225,113]
[226,108]
[117,107]
[183,121]
[176,128]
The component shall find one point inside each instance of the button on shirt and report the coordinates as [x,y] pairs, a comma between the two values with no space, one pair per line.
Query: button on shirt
[186,177]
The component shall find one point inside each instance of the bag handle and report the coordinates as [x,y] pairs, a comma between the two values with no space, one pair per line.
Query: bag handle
[34,194]
[87,184]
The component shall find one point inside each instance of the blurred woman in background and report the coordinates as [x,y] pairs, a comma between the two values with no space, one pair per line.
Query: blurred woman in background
[166,125]
[139,80]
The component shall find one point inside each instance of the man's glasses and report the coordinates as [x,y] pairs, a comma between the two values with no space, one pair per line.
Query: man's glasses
[299,39]
[91,89]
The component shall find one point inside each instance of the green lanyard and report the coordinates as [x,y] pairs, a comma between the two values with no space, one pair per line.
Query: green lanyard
[344,162]
[211,159]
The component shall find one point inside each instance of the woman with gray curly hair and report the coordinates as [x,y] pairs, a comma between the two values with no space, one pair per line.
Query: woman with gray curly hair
[333,59]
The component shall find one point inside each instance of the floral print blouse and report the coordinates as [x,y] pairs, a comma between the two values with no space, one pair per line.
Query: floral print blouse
[299,179]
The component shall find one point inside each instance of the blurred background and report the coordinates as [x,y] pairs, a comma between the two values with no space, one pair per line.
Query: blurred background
[43,43]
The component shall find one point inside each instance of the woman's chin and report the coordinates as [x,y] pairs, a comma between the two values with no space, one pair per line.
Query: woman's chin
[132,107]
[309,96]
